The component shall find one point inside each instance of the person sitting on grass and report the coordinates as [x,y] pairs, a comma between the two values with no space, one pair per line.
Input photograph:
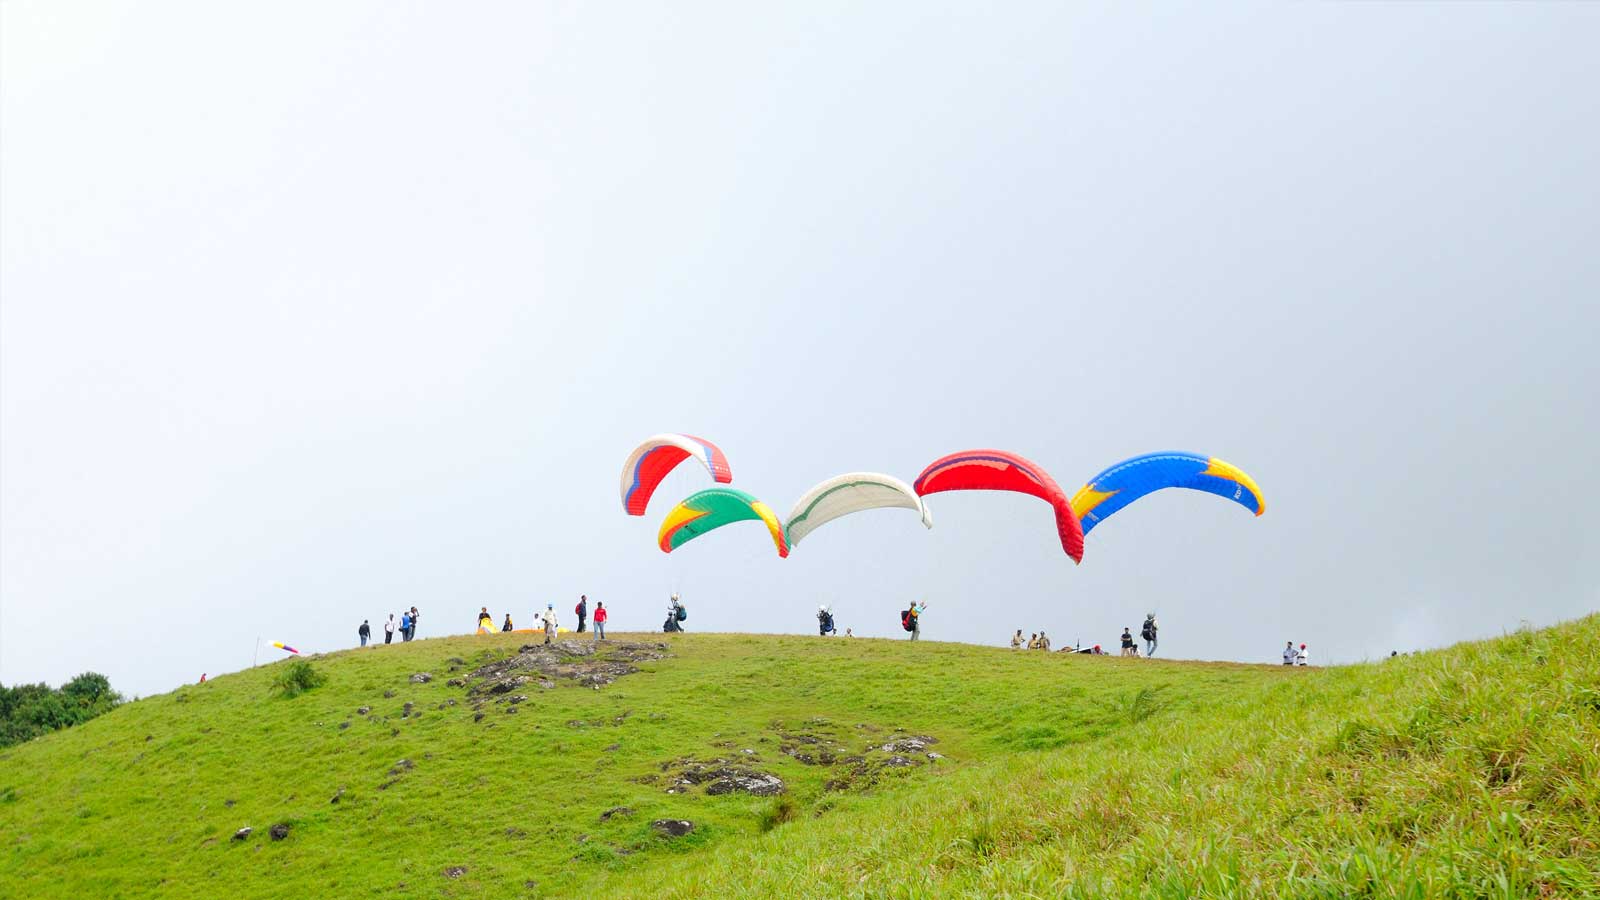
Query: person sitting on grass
[507,625]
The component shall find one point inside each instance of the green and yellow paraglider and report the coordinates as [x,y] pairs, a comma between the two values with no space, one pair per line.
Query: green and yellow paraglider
[711,509]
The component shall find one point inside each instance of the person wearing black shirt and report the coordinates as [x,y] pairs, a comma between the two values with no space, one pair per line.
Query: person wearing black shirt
[365,631]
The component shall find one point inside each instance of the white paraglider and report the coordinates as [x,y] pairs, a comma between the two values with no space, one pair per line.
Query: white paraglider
[851,493]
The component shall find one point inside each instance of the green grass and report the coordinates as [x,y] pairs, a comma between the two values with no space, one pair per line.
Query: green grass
[1472,771]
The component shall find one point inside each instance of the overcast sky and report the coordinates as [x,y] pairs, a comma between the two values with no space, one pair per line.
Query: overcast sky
[311,312]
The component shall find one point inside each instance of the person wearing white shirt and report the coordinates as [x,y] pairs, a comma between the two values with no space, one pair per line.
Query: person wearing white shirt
[1303,658]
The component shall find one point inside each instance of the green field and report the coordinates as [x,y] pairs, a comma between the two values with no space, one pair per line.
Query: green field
[1471,771]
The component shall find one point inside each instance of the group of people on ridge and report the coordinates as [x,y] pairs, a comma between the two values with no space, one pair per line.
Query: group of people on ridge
[1036,641]
[1041,641]
[550,623]
[1147,632]
[407,627]
[1297,656]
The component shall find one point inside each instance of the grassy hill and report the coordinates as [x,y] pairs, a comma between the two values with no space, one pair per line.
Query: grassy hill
[1471,771]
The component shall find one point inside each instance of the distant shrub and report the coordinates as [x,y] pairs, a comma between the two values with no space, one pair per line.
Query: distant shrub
[297,677]
[29,710]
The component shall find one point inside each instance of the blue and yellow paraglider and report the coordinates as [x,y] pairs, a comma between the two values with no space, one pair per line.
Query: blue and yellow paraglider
[1131,479]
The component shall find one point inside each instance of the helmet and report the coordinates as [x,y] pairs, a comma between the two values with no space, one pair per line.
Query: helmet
[549,606]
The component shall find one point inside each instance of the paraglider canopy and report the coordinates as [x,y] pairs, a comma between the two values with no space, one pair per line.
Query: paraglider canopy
[851,493]
[1000,470]
[1127,481]
[711,509]
[652,460]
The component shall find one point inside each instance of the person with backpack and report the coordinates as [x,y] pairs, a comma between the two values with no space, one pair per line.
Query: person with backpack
[825,621]
[507,625]
[600,621]
[1289,654]
[405,626]
[910,619]
[1148,632]
[581,611]
[676,614]
[364,632]
[549,622]
[388,629]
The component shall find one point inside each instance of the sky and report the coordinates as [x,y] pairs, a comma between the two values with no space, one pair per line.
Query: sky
[313,312]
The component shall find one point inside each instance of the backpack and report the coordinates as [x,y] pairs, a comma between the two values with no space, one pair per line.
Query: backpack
[905,620]
[1148,632]
[578,610]
[683,613]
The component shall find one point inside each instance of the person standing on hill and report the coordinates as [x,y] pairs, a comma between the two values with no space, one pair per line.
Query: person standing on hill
[915,615]
[1303,658]
[414,617]
[1016,640]
[675,615]
[485,621]
[825,621]
[1127,642]
[600,621]
[388,629]
[364,632]
[1044,642]
[405,626]
[549,622]
[582,611]
[1148,632]
[507,625]
[1289,654]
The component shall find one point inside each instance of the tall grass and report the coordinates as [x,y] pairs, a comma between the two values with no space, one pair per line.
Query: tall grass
[1473,771]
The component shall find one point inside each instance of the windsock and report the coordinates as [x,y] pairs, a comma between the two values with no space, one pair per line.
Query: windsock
[282,646]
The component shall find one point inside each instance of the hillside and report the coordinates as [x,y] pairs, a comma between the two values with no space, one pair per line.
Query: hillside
[1473,770]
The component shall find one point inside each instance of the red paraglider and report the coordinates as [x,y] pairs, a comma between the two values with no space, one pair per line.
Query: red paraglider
[997,470]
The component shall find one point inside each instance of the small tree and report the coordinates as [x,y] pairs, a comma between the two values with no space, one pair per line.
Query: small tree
[297,677]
